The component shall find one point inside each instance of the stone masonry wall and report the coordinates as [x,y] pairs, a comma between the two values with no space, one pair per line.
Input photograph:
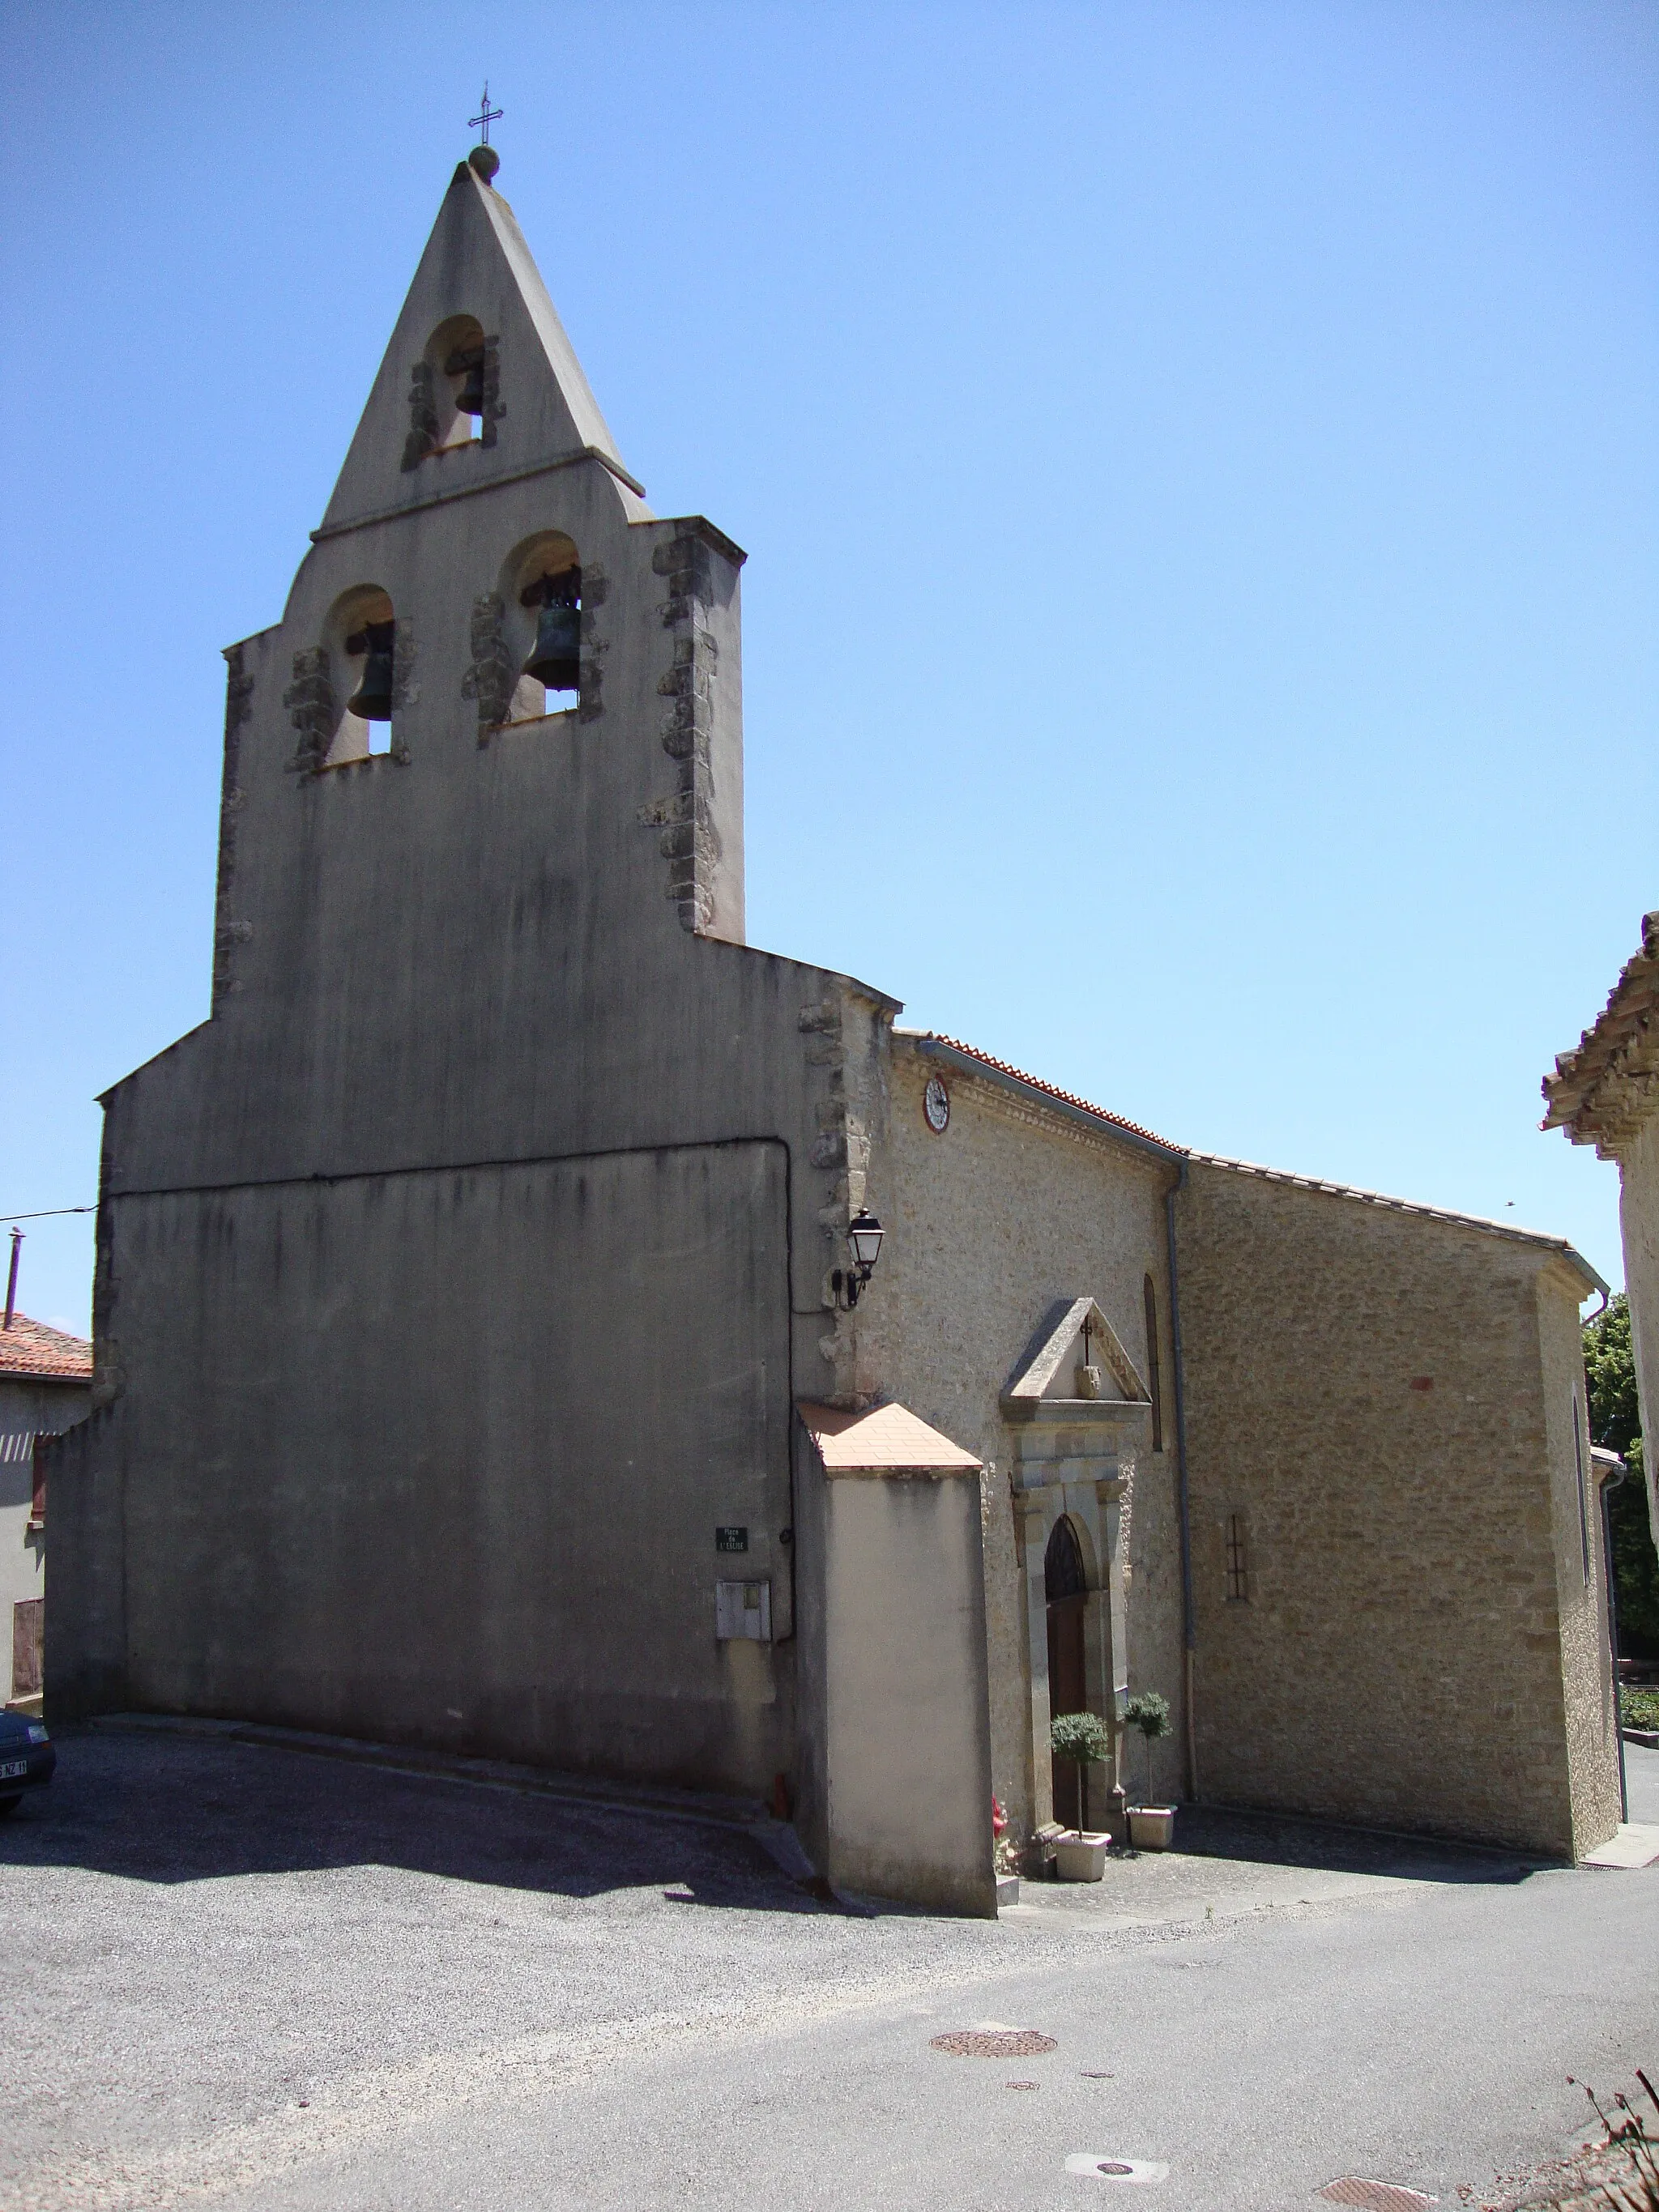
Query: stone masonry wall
[1366,1391]
[1010,1208]
[1580,1569]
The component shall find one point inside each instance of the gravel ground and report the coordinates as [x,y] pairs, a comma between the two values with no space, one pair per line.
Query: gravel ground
[278,1979]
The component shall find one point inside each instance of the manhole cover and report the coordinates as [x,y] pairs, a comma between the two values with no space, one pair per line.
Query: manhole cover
[1375,2196]
[1001,2043]
[1100,2165]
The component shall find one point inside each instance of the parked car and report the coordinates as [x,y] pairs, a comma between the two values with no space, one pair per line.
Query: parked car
[27,1757]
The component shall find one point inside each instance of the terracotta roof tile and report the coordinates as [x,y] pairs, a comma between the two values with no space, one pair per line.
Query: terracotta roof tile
[29,1347]
[1036,1082]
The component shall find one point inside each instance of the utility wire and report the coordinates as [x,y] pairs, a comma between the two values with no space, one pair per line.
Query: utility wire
[49,1213]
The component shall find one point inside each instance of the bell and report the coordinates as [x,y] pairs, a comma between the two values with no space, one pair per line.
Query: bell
[372,700]
[556,661]
[468,363]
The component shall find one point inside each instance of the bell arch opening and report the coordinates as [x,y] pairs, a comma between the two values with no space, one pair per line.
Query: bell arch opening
[541,596]
[360,639]
[449,399]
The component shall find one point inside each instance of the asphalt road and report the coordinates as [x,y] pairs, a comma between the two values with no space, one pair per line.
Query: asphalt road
[267,1980]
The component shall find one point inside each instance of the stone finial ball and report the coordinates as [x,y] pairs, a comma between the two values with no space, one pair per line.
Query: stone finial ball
[485,161]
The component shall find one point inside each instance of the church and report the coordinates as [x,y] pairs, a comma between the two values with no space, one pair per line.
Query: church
[530,1322]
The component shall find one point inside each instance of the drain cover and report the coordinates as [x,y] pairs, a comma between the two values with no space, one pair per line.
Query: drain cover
[1100,2165]
[1375,2196]
[997,2043]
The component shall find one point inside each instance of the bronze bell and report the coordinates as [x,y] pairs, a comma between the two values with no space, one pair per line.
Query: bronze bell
[372,700]
[556,659]
[468,363]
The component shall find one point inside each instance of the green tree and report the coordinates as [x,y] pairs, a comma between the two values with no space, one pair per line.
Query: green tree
[1615,1421]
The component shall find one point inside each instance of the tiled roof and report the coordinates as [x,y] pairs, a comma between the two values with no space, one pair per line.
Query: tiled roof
[1603,1091]
[1035,1083]
[882,1439]
[29,1347]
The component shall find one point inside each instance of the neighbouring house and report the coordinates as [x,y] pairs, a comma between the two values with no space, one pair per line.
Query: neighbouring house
[1605,1092]
[531,1320]
[46,1386]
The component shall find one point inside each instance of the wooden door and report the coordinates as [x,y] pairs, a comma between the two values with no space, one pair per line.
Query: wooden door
[28,1638]
[1067,1694]
[1066,1586]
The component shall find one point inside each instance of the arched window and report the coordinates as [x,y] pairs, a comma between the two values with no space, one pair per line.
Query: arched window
[1063,1571]
[452,388]
[1154,1366]
[1583,1497]
[361,642]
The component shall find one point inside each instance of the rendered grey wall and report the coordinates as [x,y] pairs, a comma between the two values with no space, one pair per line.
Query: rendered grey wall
[470,1501]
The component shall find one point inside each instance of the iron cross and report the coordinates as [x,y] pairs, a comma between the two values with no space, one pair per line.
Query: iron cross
[487,115]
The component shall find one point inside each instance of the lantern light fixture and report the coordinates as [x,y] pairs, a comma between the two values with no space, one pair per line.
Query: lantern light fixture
[864,1236]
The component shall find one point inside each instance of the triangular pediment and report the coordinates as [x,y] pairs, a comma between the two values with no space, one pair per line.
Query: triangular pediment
[1049,1367]
[538,407]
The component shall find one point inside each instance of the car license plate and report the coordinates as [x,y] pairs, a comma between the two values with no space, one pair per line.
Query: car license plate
[11,1767]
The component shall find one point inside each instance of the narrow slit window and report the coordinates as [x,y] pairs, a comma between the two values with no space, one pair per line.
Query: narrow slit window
[1584,1500]
[1154,1370]
[1238,1566]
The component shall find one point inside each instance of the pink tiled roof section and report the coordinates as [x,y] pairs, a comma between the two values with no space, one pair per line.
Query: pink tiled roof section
[1604,1090]
[29,1347]
[1048,1089]
[882,1440]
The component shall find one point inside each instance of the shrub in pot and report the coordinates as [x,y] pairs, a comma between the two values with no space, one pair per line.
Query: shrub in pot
[1149,1712]
[1084,1740]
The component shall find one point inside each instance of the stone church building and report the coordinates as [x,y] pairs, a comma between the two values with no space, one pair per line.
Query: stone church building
[487,1355]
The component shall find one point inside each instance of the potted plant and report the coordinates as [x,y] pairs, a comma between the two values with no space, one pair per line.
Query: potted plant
[1151,1826]
[1085,1741]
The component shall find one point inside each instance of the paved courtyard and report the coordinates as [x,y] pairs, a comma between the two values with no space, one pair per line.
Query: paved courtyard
[248,1974]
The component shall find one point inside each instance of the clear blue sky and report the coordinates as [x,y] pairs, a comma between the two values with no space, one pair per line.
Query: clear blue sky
[1197,462]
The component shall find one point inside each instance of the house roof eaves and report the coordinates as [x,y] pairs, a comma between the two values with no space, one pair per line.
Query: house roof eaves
[1607,1088]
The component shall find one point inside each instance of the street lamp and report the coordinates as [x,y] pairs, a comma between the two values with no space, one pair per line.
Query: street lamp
[864,1236]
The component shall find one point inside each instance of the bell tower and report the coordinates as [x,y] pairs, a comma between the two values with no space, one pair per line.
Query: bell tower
[493,646]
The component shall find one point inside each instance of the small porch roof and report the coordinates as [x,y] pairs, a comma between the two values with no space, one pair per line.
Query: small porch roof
[881,1440]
